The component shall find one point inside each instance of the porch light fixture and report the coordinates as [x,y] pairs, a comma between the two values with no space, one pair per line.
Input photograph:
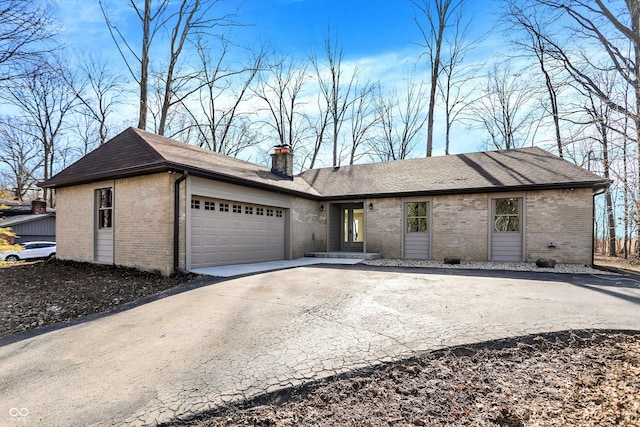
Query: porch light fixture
[321,208]
[370,206]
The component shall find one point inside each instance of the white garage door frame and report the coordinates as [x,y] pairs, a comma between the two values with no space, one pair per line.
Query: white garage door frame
[220,191]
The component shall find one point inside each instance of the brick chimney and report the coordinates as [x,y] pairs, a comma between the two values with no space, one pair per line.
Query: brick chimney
[282,161]
[38,207]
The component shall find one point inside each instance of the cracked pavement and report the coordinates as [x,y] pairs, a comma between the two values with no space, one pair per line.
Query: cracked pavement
[240,338]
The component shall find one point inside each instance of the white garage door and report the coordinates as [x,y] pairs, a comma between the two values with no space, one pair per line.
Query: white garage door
[227,232]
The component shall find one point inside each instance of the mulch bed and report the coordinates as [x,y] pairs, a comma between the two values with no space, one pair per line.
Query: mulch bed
[580,378]
[35,294]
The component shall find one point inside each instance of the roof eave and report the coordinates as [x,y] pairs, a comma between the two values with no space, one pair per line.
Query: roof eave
[112,174]
[232,179]
[501,189]
[205,173]
[173,167]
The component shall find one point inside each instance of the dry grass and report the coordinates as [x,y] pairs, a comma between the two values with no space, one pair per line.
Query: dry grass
[631,265]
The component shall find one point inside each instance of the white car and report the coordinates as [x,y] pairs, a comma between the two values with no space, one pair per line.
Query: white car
[30,250]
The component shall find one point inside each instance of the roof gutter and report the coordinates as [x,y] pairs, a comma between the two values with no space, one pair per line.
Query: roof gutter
[596,185]
[176,224]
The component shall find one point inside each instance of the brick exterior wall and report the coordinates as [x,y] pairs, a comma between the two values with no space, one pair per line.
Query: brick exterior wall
[75,221]
[143,222]
[561,217]
[459,226]
[384,225]
[309,227]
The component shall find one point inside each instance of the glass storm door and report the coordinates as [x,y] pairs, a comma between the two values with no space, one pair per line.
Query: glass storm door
[353,227]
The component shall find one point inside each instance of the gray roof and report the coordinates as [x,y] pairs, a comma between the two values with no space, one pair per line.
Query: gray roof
[489,171]
[21,219]
[136,152]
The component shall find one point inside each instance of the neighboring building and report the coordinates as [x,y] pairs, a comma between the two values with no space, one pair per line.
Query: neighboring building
[150,202]
[30,221]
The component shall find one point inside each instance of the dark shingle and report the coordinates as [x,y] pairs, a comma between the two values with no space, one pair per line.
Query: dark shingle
[137,152]
[486,171]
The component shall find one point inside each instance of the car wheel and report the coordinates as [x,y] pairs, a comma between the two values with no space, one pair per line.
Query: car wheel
[12,258]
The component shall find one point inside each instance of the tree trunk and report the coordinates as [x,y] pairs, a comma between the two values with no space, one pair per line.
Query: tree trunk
[144,66]
[435,72]
[634,10]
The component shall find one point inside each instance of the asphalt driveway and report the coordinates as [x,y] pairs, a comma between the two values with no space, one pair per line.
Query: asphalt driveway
[243,337]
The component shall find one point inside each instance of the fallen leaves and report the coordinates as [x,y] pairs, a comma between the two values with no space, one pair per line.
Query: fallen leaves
[580,378]
[42,293]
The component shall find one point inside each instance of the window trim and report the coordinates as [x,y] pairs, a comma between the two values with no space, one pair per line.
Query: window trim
[495,215]
[425,217]
[100,210]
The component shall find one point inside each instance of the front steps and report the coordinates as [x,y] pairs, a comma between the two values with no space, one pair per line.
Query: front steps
[340,254]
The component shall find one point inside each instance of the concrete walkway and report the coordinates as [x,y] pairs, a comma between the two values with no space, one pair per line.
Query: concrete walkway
[262,267]
[239,338]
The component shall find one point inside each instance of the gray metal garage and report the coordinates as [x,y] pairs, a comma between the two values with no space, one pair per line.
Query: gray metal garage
[231,232]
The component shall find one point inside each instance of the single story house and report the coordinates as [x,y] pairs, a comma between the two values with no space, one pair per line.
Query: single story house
[30,221]
[150,202]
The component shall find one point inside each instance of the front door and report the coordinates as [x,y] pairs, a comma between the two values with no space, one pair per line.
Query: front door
[353,227]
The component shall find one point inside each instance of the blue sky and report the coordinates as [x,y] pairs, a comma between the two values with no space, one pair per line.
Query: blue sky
[364,27]
[377,36]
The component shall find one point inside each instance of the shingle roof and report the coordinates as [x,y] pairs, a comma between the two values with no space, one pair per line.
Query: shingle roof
[18,209]
[135,152]
[15,220]
[463,173]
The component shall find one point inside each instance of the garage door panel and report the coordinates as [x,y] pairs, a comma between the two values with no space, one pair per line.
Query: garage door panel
[238,235]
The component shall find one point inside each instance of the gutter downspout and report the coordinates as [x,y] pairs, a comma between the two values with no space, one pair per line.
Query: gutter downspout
[593,236]
[176,224]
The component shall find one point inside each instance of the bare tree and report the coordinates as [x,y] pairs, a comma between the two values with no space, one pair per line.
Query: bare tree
[440,15]
[98,89]
[455,78]
[503,109]
[600,115]
[279,87]
[318,125]
[216,115]
[44,102]
[189,20]
[21,155]
[138,63]
[364,119]
[26,34]
[527,20]
[398,140]
[336,87]
[616,34]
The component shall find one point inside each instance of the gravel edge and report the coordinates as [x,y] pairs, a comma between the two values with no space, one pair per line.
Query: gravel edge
[482,265]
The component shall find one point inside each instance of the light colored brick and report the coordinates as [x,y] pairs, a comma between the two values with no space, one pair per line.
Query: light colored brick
[143,222]
[561,217]
[309,226]
[384,226]
[459,226]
